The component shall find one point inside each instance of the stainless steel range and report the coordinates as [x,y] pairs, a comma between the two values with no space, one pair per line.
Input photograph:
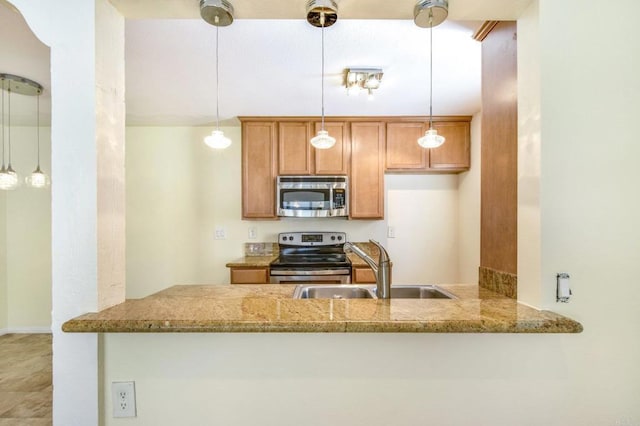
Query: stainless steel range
[311,257]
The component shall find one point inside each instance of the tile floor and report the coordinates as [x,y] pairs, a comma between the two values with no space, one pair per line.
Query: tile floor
[25,380]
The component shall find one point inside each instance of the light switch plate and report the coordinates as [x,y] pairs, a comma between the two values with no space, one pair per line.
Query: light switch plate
[391,232]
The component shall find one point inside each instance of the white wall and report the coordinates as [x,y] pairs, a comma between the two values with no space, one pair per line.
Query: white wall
[179,191]
[589,205]
[28,236]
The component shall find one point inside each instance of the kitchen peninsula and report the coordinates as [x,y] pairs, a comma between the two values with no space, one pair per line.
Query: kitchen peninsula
[270,308]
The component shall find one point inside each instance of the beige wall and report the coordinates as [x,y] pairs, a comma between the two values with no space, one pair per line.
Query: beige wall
[179,191]
[3,262]
[469,210]
[28,237]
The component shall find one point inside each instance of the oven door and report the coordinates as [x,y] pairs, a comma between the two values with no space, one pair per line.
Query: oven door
[316,276]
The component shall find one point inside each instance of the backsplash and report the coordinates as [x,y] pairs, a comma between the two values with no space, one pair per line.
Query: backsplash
[260,249]
[498,281]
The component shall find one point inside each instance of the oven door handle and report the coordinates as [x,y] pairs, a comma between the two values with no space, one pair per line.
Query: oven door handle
[289,272]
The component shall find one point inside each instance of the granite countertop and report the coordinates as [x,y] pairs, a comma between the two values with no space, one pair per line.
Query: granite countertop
[270,308]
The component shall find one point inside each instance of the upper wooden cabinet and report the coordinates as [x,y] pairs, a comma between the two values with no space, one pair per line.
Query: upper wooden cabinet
[367,170]
[454,153]
[403,151]
[259,165]
[294,150]
[335,160]
[296,155]
[403,154]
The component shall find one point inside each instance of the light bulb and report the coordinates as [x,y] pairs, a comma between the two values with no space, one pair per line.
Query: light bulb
[370,94]
[322,140]
[8,179]
[431,139]
[217,140]
[38,179]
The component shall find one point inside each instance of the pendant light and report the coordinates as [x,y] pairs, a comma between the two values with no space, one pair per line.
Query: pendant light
[8,177]
[38,179]
[322,13]
[218,13]
[428,14]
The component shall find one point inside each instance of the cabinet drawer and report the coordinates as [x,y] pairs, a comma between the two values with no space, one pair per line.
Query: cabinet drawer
[249,276]
[363,275]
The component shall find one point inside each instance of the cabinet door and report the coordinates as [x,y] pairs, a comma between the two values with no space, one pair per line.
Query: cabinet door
[294,149]
[403,151]
[335,160]
[362,275]
[454,153]
[249,275]
[367,170]
[258,170]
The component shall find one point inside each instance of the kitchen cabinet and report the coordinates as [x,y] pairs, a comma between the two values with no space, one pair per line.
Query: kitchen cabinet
[296,155]
[294,149]
[403,154]
[362,275]
[367,170]
[454,153]
[259,165]
[335,160]
[402,150]
[250,275]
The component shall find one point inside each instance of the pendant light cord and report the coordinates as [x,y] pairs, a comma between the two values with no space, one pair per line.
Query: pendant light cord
[322,95]
[2,88]
[38,127]
[9,126]
[217,85]
[430,69]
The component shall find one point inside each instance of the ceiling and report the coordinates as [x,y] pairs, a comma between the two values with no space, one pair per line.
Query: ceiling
[270,60]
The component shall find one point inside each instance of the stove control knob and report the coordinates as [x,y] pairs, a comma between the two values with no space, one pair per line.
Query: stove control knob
[339,237]
[333,238]
[290,238]
[284,238]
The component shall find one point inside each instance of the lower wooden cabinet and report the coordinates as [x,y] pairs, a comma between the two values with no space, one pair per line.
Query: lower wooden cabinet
[249,275]
[362,275]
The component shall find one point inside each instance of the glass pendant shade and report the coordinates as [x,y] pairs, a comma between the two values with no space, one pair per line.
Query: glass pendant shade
[217,140]
[431,139]
[8,179]
[322,140]
[38,179]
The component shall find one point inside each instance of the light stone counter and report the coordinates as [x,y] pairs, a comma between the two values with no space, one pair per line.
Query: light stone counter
[270,308]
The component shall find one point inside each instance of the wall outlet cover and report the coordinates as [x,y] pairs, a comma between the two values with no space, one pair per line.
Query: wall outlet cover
[123,399]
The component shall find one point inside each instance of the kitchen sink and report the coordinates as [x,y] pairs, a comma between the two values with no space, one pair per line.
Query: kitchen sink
[421,291]
[323,291]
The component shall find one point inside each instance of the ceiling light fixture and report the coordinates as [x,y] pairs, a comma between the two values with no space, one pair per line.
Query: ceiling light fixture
[322,13]
[12,83]
[357,80]
[428,14]
[218,13]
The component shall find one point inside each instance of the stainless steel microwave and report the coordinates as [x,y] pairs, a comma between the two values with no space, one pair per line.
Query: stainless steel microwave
[312,196]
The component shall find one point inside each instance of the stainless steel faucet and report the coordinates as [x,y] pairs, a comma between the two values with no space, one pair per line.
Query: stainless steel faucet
[382,269]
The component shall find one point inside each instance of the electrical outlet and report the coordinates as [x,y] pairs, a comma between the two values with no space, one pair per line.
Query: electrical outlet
[253,233]
[220,234]
[123,398]
[391,232]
